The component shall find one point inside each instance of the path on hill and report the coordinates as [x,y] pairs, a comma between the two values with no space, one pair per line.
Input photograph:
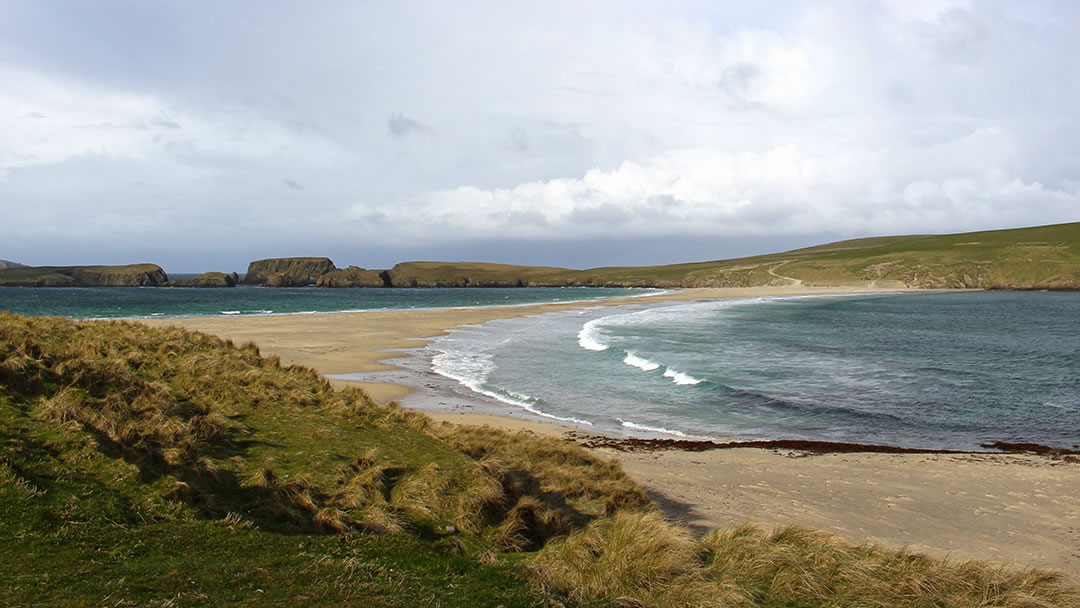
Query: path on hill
[772,270]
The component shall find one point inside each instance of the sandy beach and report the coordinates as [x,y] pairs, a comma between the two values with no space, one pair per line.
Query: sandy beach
[1016,508]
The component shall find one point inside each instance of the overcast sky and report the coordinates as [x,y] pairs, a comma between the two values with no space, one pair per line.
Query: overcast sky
[202,135]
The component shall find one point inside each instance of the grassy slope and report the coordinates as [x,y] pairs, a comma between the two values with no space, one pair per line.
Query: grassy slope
[148,465]
[161,467]
[1025,258]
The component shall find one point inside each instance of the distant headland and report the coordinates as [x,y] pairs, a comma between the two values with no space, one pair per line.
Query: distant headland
[1043,257]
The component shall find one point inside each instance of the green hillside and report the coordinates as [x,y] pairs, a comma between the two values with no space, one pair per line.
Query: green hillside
[1046,257]
[159,467]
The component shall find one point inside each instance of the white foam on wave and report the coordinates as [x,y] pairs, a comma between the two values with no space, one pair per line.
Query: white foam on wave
[639,362]
[472,369]
[525,403]
[590,335]
[681,378]
[469,369]
[651,429]
[250,312]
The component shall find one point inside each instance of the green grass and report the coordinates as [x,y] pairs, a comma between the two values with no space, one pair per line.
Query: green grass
[1046,257]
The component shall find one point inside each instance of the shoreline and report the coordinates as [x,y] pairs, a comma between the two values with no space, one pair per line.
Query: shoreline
[1017,507]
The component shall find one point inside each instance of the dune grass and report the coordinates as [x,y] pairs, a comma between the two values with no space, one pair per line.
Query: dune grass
[161,467]
[639,559]
[113,430]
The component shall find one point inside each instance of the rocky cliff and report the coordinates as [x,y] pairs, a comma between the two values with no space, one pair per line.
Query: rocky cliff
[354,276]
[133,275]
[287,272]
[208,279]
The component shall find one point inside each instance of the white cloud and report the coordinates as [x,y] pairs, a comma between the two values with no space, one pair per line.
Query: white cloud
[699,191]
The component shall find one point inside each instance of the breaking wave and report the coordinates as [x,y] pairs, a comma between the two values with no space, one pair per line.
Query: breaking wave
[652,429]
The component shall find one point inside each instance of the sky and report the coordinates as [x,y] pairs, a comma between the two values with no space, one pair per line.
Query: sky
[201,135]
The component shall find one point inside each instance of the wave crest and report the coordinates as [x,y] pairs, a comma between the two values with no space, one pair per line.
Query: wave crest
[640,362]
[681,378]
[590,335]
[651,429]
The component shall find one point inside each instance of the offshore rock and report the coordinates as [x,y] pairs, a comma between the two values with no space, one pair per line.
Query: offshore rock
[208,279]
[132,275]
[294,272]
[354,276]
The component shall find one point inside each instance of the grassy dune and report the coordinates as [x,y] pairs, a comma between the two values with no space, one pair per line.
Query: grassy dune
[1046,257]
[162,467]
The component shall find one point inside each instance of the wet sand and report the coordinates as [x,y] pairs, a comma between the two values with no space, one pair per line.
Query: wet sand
[1017,508]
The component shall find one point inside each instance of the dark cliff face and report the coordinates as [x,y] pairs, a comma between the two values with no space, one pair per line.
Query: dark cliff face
[134,275]
[287,272]
[208,279]
[354,276]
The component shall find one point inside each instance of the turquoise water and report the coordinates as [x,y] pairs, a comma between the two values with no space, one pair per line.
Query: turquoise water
[155,302]
[941,371]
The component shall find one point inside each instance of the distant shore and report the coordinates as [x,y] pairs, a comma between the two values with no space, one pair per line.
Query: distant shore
[1022,508]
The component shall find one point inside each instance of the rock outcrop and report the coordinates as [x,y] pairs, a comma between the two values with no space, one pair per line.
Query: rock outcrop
[354,276]
[5,264]
[208,279]
[287,272]
[133,275]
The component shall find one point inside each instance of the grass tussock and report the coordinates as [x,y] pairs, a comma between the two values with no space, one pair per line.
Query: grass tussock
[636,559]
[545,487]
[807,567]
[639,559]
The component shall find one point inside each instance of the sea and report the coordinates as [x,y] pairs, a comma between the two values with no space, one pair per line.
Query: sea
[939,371]
[955,370]
[171,302]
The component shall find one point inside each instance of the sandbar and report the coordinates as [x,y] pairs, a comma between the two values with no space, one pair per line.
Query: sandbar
[1012,508]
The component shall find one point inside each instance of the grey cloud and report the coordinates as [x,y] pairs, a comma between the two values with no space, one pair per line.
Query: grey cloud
[737,84]
[519,140]
[605,214]
[521,218]
[403,126]
[958,35]
[291,184]
[165,121]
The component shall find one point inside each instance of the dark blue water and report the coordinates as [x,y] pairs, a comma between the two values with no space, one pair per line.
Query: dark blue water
[943,371]
[153,302]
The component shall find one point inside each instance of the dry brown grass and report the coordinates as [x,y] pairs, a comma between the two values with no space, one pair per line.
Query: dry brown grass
[642,560]
[807,567]
[634,558]
[545,487]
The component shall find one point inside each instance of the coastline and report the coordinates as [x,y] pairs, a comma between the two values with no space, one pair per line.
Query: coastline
[1021,508]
